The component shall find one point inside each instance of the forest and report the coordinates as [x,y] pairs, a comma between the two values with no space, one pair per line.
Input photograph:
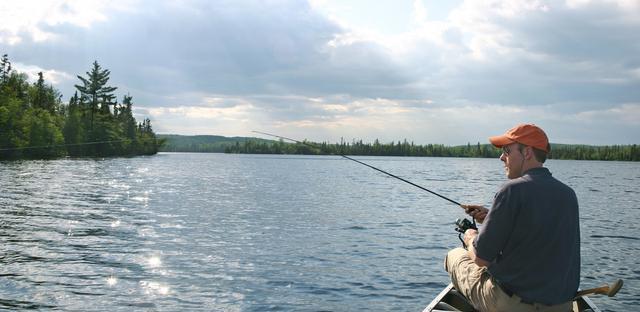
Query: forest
[36,124]
[405,148]
[201,143]
[251,145]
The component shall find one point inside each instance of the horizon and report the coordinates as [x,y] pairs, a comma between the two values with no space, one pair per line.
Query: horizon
[429,71]
[381,142]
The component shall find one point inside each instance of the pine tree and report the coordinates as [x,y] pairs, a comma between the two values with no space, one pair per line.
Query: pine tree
[126,116]
[73,129]
[5,69]
[35,124]
[45,97]
[94,90]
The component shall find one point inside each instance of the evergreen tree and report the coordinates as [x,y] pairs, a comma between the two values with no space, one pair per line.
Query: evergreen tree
[94,91]
[43,131]
[35,124]
[5,69]
[28,120]
[97,96]
[44,96]
[14,112]
[126,115]
[74,130]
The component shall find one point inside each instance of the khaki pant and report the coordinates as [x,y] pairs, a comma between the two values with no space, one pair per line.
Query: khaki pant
[478,286]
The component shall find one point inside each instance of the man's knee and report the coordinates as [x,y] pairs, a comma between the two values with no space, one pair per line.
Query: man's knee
[454,257]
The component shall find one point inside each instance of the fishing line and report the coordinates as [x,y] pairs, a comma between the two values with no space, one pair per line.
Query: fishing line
[58,145]
[365,164]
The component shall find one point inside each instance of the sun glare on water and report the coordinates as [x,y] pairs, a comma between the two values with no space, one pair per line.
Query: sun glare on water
[112,280]
[154,262]
[154,288]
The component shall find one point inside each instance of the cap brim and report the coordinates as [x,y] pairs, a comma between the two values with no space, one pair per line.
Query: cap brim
[500,141]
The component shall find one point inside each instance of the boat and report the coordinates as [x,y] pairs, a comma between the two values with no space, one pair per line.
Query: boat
[450,299]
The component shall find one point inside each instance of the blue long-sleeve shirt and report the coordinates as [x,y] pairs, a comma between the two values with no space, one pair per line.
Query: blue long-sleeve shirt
[531,237]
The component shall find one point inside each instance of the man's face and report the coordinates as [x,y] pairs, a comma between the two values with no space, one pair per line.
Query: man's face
[513,160]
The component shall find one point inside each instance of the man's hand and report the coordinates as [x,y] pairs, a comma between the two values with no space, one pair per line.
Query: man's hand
[476,212]
[469,235]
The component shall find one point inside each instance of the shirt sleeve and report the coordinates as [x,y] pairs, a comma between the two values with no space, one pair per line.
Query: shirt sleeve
[498,224]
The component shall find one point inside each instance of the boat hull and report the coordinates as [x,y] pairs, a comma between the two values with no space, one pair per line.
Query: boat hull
[449,299]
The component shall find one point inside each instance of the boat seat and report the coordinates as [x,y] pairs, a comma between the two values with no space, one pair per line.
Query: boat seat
[443,306]
[459,301]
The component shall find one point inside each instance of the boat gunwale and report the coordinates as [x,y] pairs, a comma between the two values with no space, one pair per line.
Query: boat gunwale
[576,301]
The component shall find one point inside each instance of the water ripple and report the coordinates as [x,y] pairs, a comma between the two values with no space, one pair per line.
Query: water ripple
[215,232]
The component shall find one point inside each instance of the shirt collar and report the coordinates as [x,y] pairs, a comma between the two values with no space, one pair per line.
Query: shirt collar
[539,171]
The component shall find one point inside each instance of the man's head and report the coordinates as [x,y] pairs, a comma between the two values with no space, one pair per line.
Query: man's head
[524,146]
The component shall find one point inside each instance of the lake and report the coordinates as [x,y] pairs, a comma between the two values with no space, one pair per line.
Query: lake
[219,232]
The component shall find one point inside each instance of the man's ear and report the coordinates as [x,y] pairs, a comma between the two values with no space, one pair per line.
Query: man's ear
[528,152]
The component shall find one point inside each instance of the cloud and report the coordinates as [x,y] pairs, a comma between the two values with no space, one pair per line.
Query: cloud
[28,19]
[222,66]
[50,75]
[536,53]
[218,47]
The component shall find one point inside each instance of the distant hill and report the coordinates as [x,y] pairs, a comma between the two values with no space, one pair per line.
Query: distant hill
[202,143]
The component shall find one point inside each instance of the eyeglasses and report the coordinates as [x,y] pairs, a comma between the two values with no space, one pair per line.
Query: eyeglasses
[506,150]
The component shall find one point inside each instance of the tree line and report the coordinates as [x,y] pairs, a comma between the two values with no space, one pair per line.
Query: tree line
[198,143]
[405,148]
[358,147]
[588,152]
[36,124]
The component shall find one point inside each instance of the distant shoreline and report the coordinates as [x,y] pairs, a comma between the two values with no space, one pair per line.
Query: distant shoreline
[251,145]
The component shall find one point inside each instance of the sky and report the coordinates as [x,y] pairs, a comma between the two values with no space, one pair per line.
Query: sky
[442,72]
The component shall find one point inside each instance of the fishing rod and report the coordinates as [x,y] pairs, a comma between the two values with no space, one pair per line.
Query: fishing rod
[462,225]
[365,164]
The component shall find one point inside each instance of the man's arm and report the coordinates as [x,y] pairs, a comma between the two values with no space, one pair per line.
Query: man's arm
[469,236]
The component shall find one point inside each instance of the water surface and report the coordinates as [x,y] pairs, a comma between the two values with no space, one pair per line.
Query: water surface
[217,232]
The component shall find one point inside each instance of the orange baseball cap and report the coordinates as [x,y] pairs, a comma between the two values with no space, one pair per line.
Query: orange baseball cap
[527,134]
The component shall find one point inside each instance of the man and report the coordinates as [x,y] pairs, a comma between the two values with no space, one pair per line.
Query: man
[526,256]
